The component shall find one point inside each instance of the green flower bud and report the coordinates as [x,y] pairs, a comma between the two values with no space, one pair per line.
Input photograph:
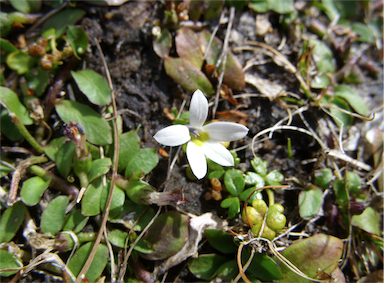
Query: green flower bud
[268,233]
[276,219]
[253,215]
[82,164]
[260,206]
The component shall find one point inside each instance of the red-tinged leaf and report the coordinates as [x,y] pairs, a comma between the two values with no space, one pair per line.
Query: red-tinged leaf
[162,43]
[319,252]
[234,75]
[167,235]
[187,75]
[188,47]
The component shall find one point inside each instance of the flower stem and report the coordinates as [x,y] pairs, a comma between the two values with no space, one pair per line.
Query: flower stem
[56,182]
[83,177]
[271,197]
[23,130]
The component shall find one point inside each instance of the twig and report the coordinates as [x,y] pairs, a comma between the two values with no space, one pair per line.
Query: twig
[17,173]
[114,172]
[241,271]
[223,59]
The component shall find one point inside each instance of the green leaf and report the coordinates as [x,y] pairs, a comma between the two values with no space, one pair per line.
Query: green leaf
[11,221]
[53,217]
[20,62]
[13,104]
[319,252]
[338,116]
[7,261]
[348,9]
[221,241]
[262,266]
[143,247]
[353,183]
[310,201]
[281,6]
[212,9]
[133,212]
[144,160]
[38,80]
[213,165]
[62,19]
[162,44]
[94,86]
[90,204]
[99,168]
[233,205]
[205,266]
[52,148]
[33,189]
[118,238]
[96,128]
[323,56]
[368,221]
[260,6]
[6,48]
[340,192]
[274,178]
[118,199]
[323,178]
[75,221]
[98,264]
[187,75]
[188,48]
[78,40]
[168,234]
[129,146]
[320,81]
[64,157]
[256,195]
[353,98]
[234,181]
[26,6]
[252,178]
[330,9]
[227,271]
[216,174]
[8,128]
[260,166]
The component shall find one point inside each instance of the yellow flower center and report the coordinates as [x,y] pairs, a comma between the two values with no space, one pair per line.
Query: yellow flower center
[200,138]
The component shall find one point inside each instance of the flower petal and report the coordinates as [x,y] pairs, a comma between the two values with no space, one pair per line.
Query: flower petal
[173,135]
[218,153]
[198,110]
[225,131]
[196,159]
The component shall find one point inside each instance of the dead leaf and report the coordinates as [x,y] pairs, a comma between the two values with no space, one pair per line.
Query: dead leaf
[268,88]
[235,116]
[227,94]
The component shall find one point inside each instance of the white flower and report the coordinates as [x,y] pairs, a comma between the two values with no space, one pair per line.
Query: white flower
[203,141]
